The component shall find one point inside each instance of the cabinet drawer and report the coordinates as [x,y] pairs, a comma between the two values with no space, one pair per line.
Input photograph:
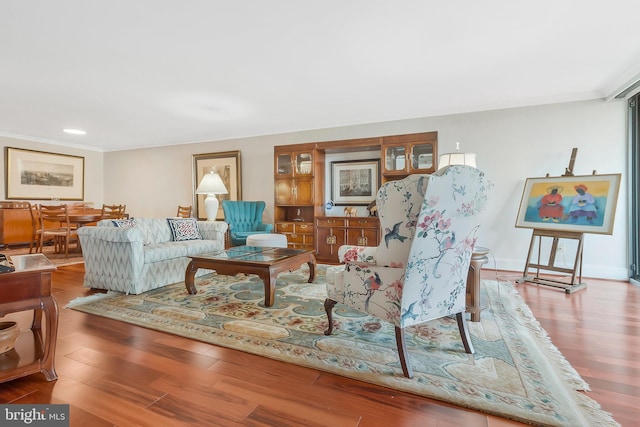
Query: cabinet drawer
[307,239]
[284,227]
[331,222]
[295,238]
[363,222]
[303,228]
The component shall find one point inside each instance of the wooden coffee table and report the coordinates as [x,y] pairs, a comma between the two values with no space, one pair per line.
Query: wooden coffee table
[266,262]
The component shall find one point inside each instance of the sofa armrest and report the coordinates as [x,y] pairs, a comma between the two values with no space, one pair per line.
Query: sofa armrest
[351,253]
[113,257]
[213,230]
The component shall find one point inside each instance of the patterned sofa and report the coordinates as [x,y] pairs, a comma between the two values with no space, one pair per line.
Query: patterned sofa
[137,255]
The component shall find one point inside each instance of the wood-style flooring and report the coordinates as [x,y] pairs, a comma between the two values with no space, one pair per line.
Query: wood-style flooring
[115,374]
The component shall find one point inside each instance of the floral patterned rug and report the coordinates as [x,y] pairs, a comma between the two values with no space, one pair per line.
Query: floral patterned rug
[516,372]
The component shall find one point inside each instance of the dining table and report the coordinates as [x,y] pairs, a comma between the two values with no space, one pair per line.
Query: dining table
[85,217]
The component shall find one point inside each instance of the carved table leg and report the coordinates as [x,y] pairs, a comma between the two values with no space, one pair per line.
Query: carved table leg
[50,308]
[189,278]
[269,279]
[312,271]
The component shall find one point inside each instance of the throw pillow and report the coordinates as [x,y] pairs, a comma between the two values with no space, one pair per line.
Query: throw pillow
[184,229]
[124,223]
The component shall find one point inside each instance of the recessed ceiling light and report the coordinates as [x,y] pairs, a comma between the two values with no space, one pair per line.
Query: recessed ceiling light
[74,131]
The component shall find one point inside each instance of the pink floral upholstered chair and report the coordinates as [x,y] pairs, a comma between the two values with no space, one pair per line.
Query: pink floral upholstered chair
[419,271]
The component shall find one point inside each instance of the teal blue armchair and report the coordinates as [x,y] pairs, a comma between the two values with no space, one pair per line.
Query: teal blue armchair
[244,219]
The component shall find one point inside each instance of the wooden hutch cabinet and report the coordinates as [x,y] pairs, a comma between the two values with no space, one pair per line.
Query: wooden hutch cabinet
[299,192]
[294,177]
[298,182]
[333,232]
[404,155]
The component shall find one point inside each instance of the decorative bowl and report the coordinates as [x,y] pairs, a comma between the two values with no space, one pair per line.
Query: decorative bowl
[9,333]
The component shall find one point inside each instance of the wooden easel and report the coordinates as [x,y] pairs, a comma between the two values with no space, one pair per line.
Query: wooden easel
[569,287]
[573,285]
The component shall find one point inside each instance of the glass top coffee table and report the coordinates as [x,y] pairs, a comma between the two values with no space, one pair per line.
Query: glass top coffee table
[266,262]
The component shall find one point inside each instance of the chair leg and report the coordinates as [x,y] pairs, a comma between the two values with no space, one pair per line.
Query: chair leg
[464,333]
[402,353]
[328,307]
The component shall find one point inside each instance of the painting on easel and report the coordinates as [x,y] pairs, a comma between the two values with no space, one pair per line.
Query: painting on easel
[584,204]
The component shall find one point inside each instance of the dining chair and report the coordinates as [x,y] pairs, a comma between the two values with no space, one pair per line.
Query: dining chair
[184,211]
[36,228]
[113,211]
[62,232]
[78,207]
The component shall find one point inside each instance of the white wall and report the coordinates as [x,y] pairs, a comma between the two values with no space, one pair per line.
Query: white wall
[511,145]
[93,165]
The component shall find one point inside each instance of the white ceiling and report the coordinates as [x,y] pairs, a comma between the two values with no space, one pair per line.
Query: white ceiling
[148,73]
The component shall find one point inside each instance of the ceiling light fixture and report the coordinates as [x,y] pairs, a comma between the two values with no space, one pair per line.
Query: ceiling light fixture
[74,131]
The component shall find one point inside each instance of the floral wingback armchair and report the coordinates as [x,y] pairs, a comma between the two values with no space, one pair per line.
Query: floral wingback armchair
[419,271]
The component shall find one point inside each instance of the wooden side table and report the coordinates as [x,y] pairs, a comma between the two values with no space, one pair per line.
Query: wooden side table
[478,259]
[34,351]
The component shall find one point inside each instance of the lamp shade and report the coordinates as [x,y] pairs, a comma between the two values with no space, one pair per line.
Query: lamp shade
[468,159]
[211,185]
[457,158]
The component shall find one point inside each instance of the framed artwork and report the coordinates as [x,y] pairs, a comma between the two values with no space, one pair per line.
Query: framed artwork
[227,165]
[354,182]
[38,175]
[585,204]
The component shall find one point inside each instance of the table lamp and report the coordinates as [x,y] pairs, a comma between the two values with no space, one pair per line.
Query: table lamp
[211,185]
[457,158]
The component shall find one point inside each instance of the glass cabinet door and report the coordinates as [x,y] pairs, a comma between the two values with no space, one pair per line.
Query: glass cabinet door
[422,159]
[283,165]
[303,163]
[394,158]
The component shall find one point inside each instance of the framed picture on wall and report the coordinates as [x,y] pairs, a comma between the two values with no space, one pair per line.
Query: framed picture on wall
[38,175]
[354,182]
[583,204]
[227,165]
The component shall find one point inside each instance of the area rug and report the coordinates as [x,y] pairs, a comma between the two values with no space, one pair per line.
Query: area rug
[516,372]
[59,260]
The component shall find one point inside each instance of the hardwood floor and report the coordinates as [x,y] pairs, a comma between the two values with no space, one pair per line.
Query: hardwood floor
[115,374]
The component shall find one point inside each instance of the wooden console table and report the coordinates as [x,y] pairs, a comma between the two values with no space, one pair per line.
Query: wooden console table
[34,351]
[15,223]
